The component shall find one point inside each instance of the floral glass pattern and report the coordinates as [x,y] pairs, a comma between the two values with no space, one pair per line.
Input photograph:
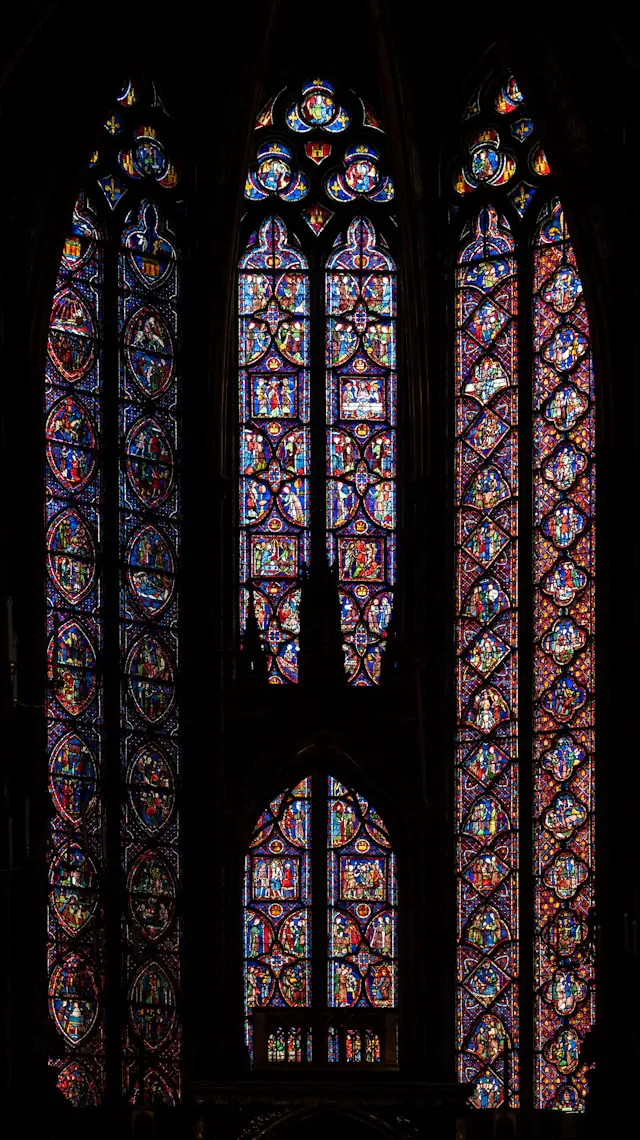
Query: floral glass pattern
[273,174]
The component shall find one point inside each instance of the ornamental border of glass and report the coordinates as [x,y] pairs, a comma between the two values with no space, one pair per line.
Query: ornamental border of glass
[119,270]
[505,166]
[277,283]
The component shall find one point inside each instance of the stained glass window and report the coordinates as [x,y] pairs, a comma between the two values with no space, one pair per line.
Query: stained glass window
[149,551]
[362,904]
[361,442]
[301,195]
[274,413]
[486,576]
[277,906]
[358,908]
[564,668]
[74,498]
[547,445]
[113,436]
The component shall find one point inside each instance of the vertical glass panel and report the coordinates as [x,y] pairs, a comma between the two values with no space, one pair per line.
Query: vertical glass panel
[362,895]
[273,307]
[361,441]
[486,475]
[564,668]
[277,911]
[150,517]
[74,705]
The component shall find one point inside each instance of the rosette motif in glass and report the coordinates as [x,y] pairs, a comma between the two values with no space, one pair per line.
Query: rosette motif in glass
[328,163]
[486,472]
[74,707]
[564,667]
[273,301]
[361,441]
[150,517]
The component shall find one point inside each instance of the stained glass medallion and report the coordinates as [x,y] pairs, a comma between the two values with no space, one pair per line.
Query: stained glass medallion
[277,417]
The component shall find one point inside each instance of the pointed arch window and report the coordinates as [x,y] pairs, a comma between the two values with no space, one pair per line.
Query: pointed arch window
[525,513]
[113,513]
[320,930]
[317,400]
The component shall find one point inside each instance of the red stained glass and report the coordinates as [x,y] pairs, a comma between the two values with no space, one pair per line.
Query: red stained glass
[487,629]
[564,667]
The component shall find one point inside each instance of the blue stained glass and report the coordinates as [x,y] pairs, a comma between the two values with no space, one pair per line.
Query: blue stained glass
[277,906]
[273,307]
[521,196]
[275,435]
[113,190]
[564,673]
[361,901]
[74,716]
[150,536]
[145,311]
[363,950]
[361,442]
[486,576]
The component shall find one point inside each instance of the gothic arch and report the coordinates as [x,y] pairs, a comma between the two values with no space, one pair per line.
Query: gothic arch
[347,1122]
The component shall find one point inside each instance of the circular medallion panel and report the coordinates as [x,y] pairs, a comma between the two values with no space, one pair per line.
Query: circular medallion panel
[149,350]
[71,443]
[149,462]
[72,777]
[151,788]
[71,335]
[74,998]
[152,1005]
[71,555]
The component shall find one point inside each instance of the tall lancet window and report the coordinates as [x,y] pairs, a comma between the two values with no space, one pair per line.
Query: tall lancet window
[525,562]
[317,398]
[112,497]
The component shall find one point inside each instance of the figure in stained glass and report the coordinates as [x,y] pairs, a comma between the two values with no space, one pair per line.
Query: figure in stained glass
[361,901]
[486,482]
[274,306]
[274,410]
[507,159]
